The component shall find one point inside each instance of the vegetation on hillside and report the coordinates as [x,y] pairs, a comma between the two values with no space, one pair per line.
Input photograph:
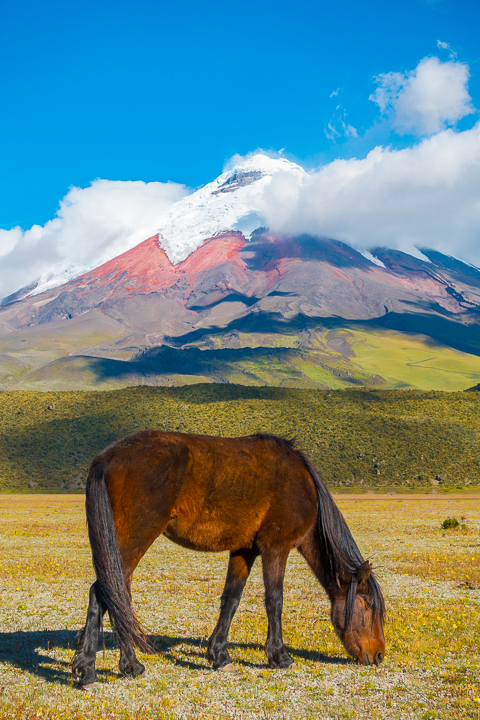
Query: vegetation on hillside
[356,438]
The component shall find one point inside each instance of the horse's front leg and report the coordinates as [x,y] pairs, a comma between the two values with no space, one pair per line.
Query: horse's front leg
[274,562]
[239,567]
[83,665]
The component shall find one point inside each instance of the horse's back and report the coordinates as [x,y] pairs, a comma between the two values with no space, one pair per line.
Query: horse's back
[218,493]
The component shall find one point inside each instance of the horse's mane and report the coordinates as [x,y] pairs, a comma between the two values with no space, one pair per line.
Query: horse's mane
[339,548]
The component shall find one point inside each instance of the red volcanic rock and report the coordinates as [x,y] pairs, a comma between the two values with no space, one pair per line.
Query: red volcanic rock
[285,276]
[142,266]
[146,268]
[215,251]
[216,269]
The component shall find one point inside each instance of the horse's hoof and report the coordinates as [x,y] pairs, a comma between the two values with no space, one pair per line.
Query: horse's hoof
[93,687]
[139,669]
[230,669]
[285,664]
[132,670]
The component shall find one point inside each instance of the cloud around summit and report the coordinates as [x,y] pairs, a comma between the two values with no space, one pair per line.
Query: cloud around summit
[92,225]
[425,195]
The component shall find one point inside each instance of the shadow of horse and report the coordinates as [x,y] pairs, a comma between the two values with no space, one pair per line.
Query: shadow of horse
[31,651]
[193,648]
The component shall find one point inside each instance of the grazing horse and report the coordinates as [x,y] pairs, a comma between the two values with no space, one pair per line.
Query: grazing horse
[252,496]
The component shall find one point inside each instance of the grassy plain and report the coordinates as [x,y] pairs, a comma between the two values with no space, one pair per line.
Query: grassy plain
[370,439]
[430,577]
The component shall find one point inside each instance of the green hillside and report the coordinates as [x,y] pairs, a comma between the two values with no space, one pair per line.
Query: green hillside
[409,359]
[300,354]
[356,437]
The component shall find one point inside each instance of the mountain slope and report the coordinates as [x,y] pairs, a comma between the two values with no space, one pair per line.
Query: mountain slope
[250,307]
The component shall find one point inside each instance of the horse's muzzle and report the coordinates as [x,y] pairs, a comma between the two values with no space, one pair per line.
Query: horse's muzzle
[367,660]
[378,658]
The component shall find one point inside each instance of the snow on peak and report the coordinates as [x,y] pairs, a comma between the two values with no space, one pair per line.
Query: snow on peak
[265,164]
[373,258]
[227,203]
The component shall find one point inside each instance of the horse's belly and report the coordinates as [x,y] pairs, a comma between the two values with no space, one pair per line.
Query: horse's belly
[209,534]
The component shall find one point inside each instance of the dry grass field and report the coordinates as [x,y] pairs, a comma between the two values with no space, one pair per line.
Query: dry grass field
[430,577]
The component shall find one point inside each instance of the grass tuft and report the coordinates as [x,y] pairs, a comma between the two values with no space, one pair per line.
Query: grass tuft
[452,523]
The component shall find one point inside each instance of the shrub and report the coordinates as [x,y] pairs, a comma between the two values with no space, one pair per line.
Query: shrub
[450,523]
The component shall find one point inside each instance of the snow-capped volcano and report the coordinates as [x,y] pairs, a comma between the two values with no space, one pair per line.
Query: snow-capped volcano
[203,283]
[228,203]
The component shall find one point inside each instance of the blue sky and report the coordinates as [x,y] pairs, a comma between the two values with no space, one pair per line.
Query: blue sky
[169,91]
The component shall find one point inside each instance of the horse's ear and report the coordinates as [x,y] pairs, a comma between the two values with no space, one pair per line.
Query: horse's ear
[363,572]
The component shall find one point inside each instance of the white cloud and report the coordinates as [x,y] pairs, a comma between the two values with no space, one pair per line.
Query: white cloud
[92,225]
[349,130]
[426,100]
[445,46]
[425,195]
[331,132]
[338,125]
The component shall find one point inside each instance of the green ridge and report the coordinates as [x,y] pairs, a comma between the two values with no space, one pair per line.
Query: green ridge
[357,438]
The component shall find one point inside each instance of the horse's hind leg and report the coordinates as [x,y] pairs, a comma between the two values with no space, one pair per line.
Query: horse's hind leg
[239,567]
[83,665]
[135,536]
[129,666]
[274,562]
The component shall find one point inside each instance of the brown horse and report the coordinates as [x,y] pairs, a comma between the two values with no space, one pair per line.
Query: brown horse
[252,496]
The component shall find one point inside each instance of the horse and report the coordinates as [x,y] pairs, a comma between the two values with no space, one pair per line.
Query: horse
[253,496]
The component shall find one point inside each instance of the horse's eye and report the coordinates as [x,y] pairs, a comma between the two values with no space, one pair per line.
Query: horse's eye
[369,604]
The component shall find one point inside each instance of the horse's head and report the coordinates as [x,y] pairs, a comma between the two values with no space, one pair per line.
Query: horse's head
[357,615]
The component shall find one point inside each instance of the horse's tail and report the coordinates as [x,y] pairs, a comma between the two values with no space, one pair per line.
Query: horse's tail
[112,591]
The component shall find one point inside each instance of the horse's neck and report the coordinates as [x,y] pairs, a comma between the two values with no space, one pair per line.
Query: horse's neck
[314,553]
